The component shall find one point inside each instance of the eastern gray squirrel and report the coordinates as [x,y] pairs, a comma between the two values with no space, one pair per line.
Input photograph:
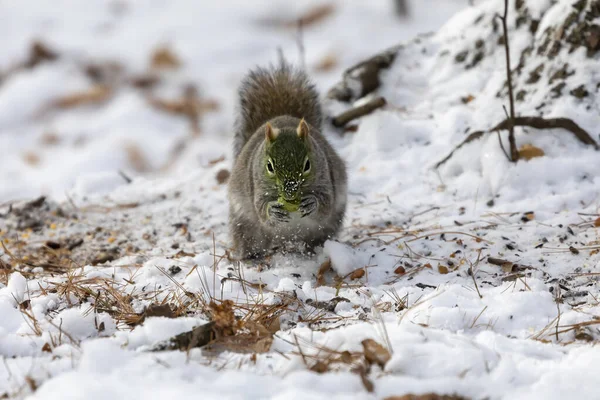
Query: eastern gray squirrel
[288,185]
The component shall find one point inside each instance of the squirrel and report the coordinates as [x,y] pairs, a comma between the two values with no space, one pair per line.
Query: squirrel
[288,185]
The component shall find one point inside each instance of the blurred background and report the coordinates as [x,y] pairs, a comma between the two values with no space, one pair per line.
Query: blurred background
[96,92]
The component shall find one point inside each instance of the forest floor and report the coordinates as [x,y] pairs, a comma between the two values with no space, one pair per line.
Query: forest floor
[476,279]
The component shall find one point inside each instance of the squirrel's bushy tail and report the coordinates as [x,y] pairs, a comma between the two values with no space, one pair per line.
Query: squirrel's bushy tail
[266,93]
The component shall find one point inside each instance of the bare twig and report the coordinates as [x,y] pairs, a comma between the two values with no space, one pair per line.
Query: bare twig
[532,122]
[358,112]
[514,154]
[300,41]
[502,146]
[551,123]
[473,136]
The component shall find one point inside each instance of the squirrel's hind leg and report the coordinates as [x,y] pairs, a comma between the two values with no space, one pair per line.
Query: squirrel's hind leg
[249,240]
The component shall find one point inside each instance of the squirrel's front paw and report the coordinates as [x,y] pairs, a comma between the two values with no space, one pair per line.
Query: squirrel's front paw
[277,213]
[308,205]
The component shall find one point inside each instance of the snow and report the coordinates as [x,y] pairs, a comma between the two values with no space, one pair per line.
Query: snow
[452,322]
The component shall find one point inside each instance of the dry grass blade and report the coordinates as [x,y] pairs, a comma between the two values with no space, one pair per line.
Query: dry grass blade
[94,95]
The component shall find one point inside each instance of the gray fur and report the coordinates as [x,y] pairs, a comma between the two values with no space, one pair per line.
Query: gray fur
[282,96]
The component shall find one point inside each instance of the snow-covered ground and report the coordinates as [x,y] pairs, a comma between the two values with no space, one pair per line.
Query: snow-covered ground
[411,269]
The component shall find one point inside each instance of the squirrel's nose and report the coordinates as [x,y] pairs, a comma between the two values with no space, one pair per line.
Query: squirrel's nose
[290,189]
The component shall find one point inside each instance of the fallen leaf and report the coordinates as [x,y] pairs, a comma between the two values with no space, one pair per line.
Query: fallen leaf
[400,270]
[25,304]
[49,139]
[467,99]
[38,53]
[319,367]
[317,14]
[31,158]
[529,151]
[326,266]
[597,222]
[528,216]
[216,160]
[164,58]
[327,63]
[94,95]
[582,334]
[310,17]
[442,269]
[375,353]
[46,348]
[507,267]
[136,158]
[159,310]
[357,274]
[427,396]
[146,81]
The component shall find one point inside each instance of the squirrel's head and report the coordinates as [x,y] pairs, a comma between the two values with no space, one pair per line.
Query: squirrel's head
[288,160]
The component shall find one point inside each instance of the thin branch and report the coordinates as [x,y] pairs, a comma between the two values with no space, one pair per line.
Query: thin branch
[300,41]
[532,122]
[358,112]
[502,146]
[514,154]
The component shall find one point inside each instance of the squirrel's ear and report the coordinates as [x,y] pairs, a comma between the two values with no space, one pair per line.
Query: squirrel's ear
[270,133]
[302,129]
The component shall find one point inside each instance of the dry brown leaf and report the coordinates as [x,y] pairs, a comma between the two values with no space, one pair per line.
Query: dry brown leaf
[216,160]
[136,158]
[529,151]
[46,348]
[400,270]
[49,139]
[164,58]
[316,14]
[326,266]
[528,216]
[159,310]
[38,53]
[594,252]
[597,222]
[357,274]
[508,267]
[312,16]
[581,333]
[375,353]
[327,63]
[31,158]
[223,176]
[146,81]
[224,318]
[94,95]
[442,269]
[427,396]
[467,99]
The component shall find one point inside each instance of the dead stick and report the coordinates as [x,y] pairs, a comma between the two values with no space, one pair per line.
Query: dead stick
[358,112]
[551,123]
[532,122]
[514,154]
[498,261]
[473,136]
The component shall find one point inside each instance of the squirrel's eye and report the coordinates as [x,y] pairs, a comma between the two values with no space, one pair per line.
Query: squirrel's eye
[270,167]
[307,165]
